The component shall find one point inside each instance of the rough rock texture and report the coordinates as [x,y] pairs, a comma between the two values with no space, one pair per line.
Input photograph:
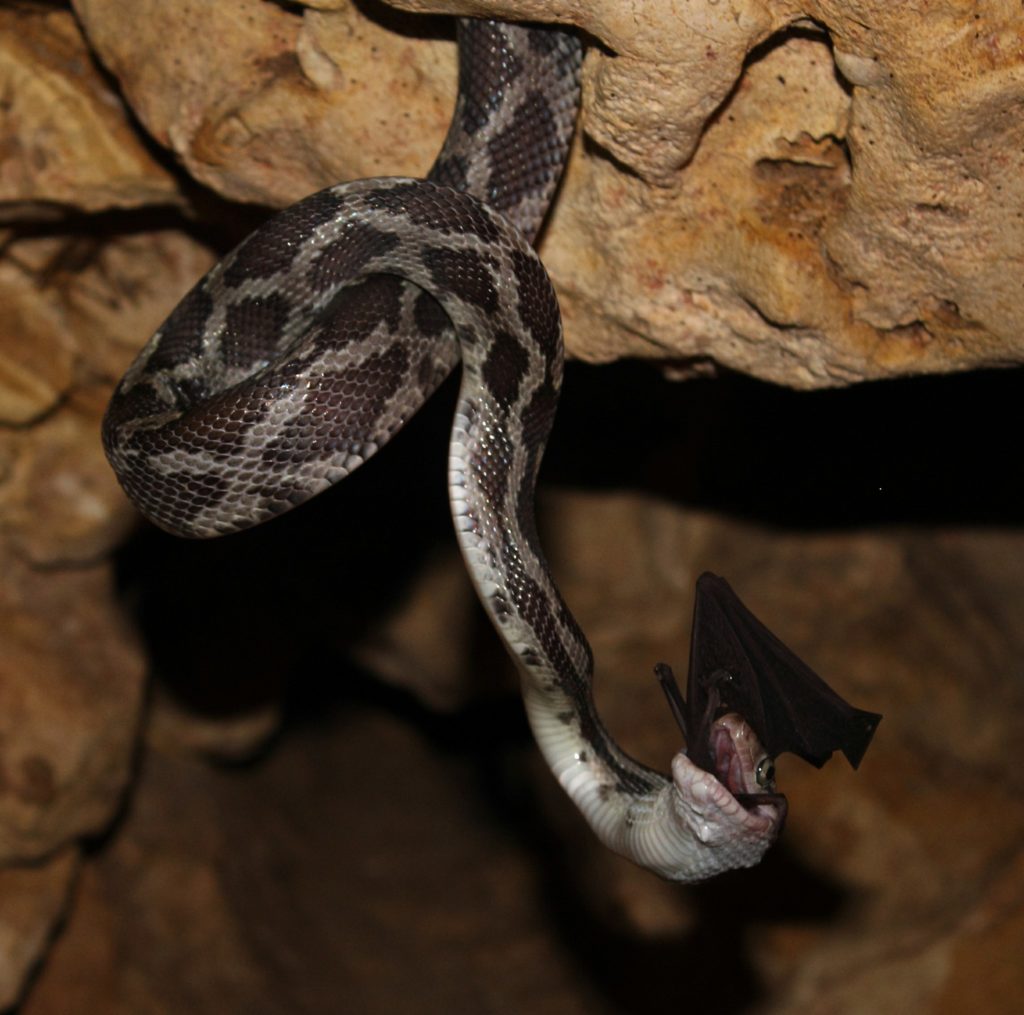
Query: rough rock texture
[64,142]
[814,193]
[33,897]
[75,295]
[297,100]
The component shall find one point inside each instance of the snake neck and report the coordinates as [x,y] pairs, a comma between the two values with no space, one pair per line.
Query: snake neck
[687,828]
[518,99]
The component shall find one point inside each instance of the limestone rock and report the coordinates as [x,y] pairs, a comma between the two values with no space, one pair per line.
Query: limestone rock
[35,357]
[65,140]
[70,702]
[265,104]
[70,682]
[32,899]
[75,303]
[74,308]
[771,186]
[812,192]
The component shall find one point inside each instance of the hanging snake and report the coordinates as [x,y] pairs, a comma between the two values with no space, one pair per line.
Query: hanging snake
[305,349]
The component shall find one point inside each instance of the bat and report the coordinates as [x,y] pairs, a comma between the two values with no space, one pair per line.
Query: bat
[738,665]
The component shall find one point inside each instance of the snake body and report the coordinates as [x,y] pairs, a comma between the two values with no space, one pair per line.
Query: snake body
[302,352]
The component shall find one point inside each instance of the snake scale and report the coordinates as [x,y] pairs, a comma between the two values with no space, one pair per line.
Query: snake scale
[305,349]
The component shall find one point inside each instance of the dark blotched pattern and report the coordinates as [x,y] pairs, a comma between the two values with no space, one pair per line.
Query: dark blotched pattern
[181,337]
[427,207]
[513,146]
[505,368]
[252,329]
[499,65]
[272,248]
[468,271]
[345,257]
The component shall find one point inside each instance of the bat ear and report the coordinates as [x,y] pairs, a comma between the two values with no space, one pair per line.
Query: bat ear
[783,700]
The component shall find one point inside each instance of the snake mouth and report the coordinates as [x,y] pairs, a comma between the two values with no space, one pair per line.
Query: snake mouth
[742,765]
[728,763]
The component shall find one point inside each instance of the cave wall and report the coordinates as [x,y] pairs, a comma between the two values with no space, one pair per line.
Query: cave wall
[813,194]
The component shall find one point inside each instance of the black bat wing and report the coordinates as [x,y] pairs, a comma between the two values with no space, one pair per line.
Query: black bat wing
[738,665]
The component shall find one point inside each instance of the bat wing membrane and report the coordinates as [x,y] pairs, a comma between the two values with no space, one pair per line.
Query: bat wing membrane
[737,664]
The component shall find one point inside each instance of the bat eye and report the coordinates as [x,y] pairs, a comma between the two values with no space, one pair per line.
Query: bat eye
[764,774]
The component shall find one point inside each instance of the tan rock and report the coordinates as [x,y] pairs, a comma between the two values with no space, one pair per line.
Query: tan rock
[62,504]
[70,701]
[769,186]
[76,309]
[403,647]
[65,137]
[70,673]
[296,102]
[982,960]
[35,362]
[32,900]
[70,697]
[176,729]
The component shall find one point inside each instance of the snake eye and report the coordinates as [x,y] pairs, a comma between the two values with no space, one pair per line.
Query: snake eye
[764,774]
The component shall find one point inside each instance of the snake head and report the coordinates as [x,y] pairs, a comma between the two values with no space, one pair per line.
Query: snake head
[703,823]
[734,813]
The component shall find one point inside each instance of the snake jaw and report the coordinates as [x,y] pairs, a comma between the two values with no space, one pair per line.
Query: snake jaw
[737,754]
[731,815]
